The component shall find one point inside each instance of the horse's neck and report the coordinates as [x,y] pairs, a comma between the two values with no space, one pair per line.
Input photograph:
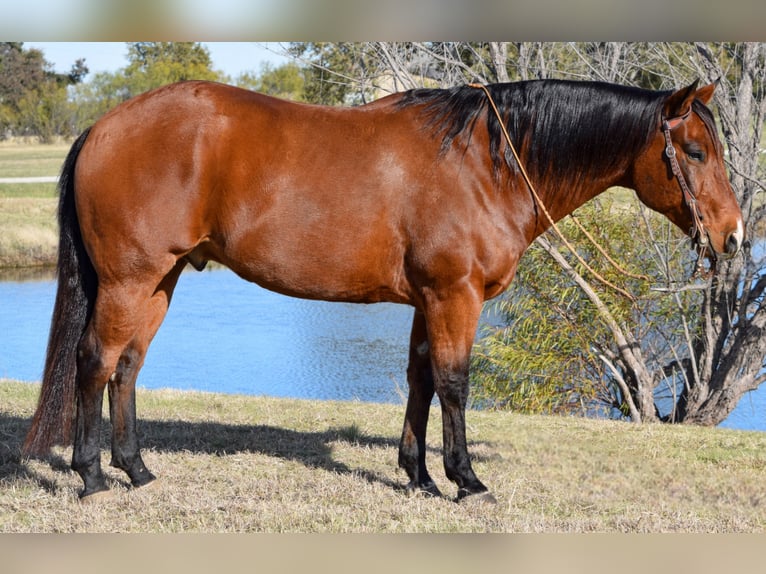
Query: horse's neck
[557,199]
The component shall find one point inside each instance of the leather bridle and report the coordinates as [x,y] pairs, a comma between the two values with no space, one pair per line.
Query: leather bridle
[698,229]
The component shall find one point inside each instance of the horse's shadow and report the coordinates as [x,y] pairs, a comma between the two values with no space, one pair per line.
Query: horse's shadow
[313,449]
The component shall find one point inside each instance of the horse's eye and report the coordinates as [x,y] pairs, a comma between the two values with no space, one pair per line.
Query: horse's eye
[695,154]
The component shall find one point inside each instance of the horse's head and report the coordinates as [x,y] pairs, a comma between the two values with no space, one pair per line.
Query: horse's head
[681,173]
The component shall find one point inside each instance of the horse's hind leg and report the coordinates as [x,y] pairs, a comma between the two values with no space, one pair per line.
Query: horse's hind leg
[125,318]
[126,453]
[412,448]
[110,329]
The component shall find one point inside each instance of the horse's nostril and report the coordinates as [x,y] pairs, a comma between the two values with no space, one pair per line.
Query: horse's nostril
[734,241]
[732,245]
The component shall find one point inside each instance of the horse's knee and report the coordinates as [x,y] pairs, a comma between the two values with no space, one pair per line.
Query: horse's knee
[127,366]
[452,389]
[92,362]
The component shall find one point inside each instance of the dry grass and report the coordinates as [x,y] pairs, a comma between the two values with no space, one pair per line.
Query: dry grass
[29,231]
[28,210]
[244,464]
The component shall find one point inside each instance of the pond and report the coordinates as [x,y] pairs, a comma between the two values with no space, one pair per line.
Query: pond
[223,334]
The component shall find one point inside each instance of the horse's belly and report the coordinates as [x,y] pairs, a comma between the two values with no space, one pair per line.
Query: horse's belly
[322,282]
[329,269]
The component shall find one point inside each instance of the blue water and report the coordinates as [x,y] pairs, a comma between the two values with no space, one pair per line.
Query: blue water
[223,334]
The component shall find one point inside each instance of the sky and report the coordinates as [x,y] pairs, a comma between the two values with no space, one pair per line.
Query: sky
[232,58]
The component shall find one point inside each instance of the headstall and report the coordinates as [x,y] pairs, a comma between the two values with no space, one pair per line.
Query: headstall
[697,230]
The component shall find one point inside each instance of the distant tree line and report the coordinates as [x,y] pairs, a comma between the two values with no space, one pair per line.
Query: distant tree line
[33,98]
[37,102]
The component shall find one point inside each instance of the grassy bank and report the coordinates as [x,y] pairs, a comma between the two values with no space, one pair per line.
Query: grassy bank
[29,235]
[233,463]
[28,210]
[25,159]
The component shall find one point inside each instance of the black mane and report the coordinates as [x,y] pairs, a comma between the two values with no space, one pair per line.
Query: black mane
[565,130]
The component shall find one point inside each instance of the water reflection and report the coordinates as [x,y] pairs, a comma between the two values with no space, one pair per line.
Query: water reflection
[25,274]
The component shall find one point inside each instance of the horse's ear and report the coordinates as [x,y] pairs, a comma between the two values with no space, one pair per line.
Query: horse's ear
[680,102]
[705,93]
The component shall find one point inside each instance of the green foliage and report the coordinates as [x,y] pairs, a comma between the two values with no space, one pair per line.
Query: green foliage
[539,358]
[154,64]
[46,113]
[35,101]
[287,81]
[93,99]
[33,98]
[20,70]
[150,65]
[337,72]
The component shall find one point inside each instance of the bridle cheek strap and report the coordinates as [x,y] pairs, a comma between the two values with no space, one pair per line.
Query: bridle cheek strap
[698,229]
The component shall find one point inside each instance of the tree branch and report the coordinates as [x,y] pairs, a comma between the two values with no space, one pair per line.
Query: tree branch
[498,53]
[635,415]
[400,72]
[625,343]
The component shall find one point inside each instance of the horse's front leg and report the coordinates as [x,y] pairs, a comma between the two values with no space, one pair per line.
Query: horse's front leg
[412,448]
[452,323]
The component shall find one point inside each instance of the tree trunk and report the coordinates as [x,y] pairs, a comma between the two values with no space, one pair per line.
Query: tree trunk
[730,348]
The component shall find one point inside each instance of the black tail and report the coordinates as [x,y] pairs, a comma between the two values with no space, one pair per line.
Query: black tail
[54,419]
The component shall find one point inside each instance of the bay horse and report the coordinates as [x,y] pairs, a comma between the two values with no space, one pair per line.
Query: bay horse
[413,198]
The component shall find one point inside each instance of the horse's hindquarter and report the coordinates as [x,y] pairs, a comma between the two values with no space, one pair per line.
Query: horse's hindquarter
[336,204]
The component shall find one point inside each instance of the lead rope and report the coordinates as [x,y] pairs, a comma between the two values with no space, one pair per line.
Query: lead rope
[548,216]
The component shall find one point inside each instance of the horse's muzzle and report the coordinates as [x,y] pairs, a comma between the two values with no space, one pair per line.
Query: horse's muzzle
[735,240]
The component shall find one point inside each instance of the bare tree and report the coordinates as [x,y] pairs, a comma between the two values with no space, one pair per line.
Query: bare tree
[720,353]
[730,346]
[704,342]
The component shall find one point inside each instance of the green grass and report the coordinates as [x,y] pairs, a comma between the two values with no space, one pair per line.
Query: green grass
[245,464]
[31,160]
[27,190]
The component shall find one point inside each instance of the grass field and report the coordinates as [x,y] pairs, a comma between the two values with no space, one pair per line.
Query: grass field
[30,160]
[246,464]
[28,210]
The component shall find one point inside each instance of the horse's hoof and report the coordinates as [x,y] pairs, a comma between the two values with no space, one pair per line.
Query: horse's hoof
[97,497]
[151,485]
[429,490]
[484,497]
[141,478]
